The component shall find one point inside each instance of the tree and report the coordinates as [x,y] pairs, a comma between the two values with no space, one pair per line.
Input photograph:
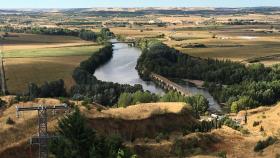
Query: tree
[125,99]
[34,91]
[242,102]
[199,104]
[234,107]
[173,96]
[143,97]
[77,140]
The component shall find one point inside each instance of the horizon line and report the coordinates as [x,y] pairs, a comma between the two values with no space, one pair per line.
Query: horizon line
[140,7]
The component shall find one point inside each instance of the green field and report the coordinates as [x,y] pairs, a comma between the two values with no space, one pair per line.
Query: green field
[53,52]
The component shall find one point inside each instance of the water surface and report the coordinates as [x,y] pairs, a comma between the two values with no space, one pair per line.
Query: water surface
[121,69]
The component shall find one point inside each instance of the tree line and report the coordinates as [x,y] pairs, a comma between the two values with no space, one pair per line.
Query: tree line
[90,88]
[198,102]
[229,82]
[88,35]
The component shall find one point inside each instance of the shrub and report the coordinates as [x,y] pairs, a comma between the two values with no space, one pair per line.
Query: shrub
[244,131]
[222,154]
[256,123]
[265,143]
[160,137]
[2,103]
[261,129]
[10,121]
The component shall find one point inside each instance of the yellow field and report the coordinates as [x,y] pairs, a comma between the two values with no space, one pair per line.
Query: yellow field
[21,71]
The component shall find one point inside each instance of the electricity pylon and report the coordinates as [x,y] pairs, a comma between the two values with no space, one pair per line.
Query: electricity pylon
[43,137]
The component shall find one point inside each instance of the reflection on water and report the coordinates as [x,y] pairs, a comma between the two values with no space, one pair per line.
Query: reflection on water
[121,69]
[213,105]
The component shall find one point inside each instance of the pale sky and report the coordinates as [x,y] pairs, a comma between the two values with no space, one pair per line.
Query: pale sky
[134,3]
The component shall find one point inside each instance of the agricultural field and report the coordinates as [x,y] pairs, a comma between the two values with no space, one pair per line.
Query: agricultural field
[220,37]
[40,58]
[233,111]
[234,44]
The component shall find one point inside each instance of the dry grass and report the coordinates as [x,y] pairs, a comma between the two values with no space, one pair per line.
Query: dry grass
[24,127]
[21,71]
[141,111]
[269,119]
[238,145]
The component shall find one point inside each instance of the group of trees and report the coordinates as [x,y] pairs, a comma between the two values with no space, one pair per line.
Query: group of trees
[198,102]
[101,36]
[77,140]
[127,99]
[241,86]
[265,143]
[48,89]
[247,94]
[105,93]
[88,35]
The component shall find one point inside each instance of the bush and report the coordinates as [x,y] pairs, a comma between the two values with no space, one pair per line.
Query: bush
[244,131]
[2,103]
[10,121]
[222,154]
[256,123]
[161,136]
[265,143]
[261,129]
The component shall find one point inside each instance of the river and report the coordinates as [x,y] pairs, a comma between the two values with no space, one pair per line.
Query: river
[121,69]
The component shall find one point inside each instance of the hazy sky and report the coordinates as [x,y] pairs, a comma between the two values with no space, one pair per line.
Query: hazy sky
[134,3]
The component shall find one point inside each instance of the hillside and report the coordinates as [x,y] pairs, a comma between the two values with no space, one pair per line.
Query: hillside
[14,138]
[132,122]
[150,130]
[143,120]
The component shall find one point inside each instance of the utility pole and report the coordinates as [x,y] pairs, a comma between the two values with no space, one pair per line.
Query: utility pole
[2,71]
[43,137]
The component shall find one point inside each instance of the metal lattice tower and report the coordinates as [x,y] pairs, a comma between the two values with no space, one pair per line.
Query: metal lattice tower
[43,137]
